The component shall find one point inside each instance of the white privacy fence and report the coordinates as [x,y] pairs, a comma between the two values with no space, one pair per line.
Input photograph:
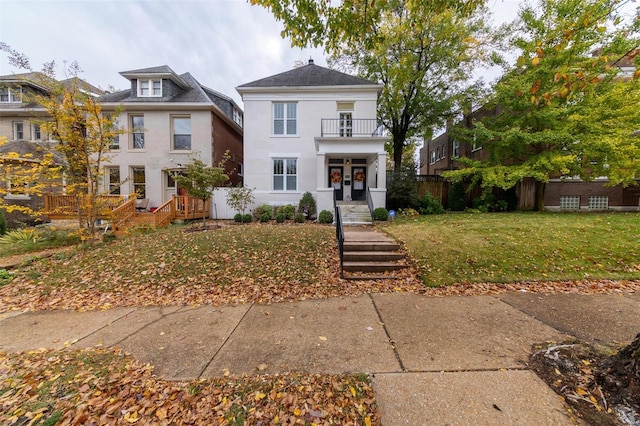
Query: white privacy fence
[219,205]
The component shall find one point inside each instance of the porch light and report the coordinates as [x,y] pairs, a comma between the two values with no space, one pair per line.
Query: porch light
[348,162]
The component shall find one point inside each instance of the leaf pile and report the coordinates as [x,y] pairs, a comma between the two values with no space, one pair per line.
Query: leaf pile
[107,387]
[580,373]
[231,265]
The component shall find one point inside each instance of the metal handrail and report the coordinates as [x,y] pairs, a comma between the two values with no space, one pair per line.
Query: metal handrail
[346,128]
[340,238]
[370,202]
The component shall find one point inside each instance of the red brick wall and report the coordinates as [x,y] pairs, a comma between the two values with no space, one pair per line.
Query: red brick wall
[618,196]
[227,138]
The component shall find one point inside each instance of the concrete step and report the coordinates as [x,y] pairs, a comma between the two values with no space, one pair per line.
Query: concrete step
[372,256]
[387,246]
[368,267]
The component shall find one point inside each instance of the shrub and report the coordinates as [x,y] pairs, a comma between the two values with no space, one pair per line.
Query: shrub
[263,210]
[299,218]
[307,205]
[325,216]
[402,188]
[380,213]
[289,211]
[19,236]
[247,218]
[428,204]
[456,197]
[265,217]
[237,217]
[408,212]
[3,223]
[239,198]
[281,217]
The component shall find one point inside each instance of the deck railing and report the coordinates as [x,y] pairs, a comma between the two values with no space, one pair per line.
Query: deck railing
[70,204]
[164,214]
[190,208]
[124,213]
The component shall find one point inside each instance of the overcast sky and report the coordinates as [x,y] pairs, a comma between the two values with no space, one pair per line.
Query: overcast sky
[222,43]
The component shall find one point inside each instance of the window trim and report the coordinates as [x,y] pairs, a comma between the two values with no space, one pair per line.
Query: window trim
[132,170]
[11,97]
[173,134]
[149,88]
[35,129]
[285,119]
[132,139]
[284,175]
[16,132]
[432,157]
[110,186]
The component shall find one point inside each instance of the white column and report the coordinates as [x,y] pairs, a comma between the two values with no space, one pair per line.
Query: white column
[382,170]
[321,177]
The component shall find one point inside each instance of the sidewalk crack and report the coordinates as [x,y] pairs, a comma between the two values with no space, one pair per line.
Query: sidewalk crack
[386,330]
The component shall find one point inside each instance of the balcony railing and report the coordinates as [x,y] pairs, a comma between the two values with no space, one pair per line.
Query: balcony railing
[353,127]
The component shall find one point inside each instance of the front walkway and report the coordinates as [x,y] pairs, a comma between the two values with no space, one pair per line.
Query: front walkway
[449,360]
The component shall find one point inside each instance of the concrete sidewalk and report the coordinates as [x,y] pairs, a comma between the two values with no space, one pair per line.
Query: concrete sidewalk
[452,360]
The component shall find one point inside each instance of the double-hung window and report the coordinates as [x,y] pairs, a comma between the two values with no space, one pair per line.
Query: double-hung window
[139,183]
[285,174]
[181,126]
[137,131]
[149,88]
[18,131]
[285,121]
[113,180]
[36,134]
[10,94]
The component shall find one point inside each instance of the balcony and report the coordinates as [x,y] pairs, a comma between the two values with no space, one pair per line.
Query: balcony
[350,127]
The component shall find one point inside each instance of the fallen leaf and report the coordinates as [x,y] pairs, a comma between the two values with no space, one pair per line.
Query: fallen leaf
[323,338]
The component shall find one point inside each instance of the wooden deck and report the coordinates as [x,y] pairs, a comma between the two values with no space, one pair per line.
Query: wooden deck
[123,213]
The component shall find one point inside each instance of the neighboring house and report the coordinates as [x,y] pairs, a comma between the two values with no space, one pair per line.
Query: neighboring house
[561,194]
[169,120]
[20,122]
[313,129]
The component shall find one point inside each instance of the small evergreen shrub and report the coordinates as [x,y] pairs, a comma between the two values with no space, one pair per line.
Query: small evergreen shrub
[247,218]
[380,213]
[265,217]
[281,217]
[299,218]
[263,210]
[237,218]
[307,205]
[428,204]
[456,197]
[289,211]
[3,223]
[325,216]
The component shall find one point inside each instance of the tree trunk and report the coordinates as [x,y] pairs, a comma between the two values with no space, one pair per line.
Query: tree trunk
[541,188]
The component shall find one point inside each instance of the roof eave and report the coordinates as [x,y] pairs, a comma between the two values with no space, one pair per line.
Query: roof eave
[280,89]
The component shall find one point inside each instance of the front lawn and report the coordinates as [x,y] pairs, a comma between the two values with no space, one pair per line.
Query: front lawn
[508,247]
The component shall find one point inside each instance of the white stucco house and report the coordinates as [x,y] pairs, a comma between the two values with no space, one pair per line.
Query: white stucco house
[313,129]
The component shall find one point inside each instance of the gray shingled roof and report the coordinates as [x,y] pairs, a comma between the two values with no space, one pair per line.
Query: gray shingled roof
[309,75]
[162,69]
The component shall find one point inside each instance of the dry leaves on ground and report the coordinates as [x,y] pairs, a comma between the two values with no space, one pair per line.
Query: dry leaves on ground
[106,387]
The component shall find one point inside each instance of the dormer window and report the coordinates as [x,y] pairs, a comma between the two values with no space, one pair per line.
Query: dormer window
[10,94]
[149,88]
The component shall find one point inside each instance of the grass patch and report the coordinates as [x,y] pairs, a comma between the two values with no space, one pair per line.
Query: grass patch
[501,247]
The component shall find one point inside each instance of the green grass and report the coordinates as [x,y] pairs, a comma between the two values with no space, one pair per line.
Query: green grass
[507,247]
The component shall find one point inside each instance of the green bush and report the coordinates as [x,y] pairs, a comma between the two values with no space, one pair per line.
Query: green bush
[247,218]
[380,213]
[5,277]
[428,204]
[289,211]
[456,197]
[325,216]
[263,210]
[265,217]
[19,236]
[307,205]
[299,218]
[3,223]
[281,217]
[237,217]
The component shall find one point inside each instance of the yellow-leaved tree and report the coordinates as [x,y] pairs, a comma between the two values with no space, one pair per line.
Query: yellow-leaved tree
[81,132]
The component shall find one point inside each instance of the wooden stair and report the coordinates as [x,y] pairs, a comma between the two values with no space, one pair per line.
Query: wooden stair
[367,252]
